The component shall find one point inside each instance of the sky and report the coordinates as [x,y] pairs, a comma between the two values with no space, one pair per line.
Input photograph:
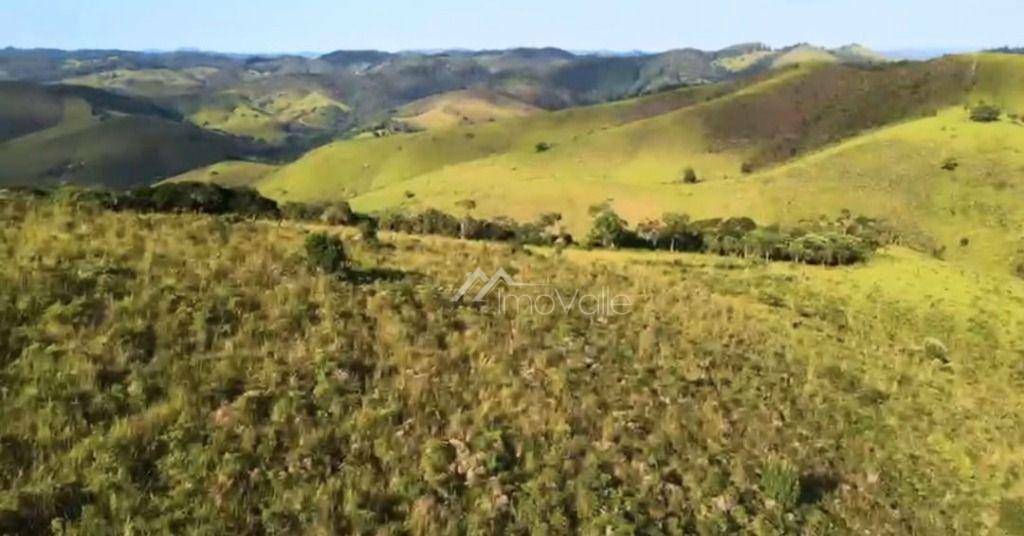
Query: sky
[266,26]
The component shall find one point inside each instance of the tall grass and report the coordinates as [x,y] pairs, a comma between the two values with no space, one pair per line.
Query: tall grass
[185,374]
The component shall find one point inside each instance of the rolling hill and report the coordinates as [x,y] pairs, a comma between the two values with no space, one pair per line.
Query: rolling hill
[360,90]
[63,134]
[231,174]
[165,371]
[806,135]
[465,107]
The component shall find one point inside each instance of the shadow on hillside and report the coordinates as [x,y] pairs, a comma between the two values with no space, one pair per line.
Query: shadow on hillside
[815,486]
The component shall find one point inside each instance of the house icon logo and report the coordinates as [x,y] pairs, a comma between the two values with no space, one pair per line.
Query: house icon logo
[479,276]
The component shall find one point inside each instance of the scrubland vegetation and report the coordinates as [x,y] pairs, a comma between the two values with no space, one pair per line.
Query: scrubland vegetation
[824,265]
[845,240]
[190,373]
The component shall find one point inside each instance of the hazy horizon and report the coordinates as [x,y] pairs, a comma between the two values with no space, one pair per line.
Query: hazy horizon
[318,26]
[910,53]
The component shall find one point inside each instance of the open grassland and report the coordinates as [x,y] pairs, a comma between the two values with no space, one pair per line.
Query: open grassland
[714,129]
[345,169]
[230,174]
[466,107]
[179,373]
[813,135]
[971,213]
[154,83]
[271,115]
[803,54]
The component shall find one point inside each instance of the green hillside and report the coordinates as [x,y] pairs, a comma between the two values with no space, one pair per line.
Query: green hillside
[64,134]
[462,108]
[344,169]
[24,110]
[231,174]
[809,134]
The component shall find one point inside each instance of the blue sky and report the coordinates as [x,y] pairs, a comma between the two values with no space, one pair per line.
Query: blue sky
[324,25]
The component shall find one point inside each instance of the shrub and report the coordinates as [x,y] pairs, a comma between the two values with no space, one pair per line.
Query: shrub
[690,176]
[543,147]
[747,168]
[935,349]
[302,211]
[549,219]
[248,202]
[339,213]
[198,198]
[326,253]
[985,113]
[368,231]
[781,483]
[436,462]
[950,164]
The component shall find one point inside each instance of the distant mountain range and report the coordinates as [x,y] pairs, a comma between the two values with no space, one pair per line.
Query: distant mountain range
[371,82]
[158,114]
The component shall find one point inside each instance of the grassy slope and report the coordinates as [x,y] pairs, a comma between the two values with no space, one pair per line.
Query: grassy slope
[464,107]
[344,169]
[241,120]
[232,173]
[24,110]
[92,144]
[793,112]
[270,115]
[148,82]
[896,173]
[894,169]
[166,394]
[804,54]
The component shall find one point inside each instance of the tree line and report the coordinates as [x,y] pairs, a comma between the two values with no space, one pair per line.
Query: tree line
[844,240]
[840,241]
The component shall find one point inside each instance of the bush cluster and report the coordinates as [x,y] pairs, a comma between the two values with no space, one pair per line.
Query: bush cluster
[984,113]
[326,253]
[196,198]
[436,222]
[846,240]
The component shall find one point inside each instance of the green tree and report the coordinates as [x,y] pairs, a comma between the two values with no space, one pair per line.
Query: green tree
[608,231]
